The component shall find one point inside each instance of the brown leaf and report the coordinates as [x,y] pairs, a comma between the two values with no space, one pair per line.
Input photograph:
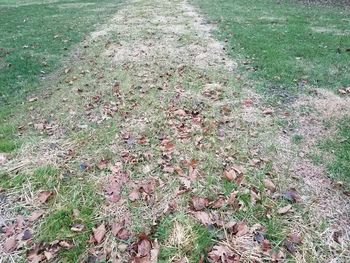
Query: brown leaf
[203,217]
[115,185]
[65,244]
[218,203]
[144,248]
[35,256]
[295,238]
[119,231]
[43,196]
[134,195]
[99,233]
[230,175]
[269,185]
[266,245]
[35,215]
[10,244]
[284,210]
[199,203]
[232,198]
[240,229]
[179,170]
[222,254]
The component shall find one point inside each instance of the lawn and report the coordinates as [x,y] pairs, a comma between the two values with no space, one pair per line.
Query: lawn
[36,36]
[287,45]
[290,48]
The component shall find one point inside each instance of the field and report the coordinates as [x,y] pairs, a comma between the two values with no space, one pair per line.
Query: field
[174,131]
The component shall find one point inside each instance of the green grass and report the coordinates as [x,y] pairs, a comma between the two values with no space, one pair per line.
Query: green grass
[339,147]
[287,43]
[35,37]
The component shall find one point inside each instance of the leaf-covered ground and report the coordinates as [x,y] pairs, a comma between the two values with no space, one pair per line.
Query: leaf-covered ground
[150,146]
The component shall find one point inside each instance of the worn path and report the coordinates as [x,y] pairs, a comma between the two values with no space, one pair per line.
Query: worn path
[152,119]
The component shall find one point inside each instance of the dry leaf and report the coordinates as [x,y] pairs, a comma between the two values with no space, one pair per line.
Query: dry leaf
[230,175]
[134,195]
[35,215]
[240,229]
[199,203]
[203,217]
[10,244]
[269,185]
[43,196]
[99,233]
[284,210]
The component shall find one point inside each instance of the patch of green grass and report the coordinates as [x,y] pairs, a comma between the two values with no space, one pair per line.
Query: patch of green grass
[44,178]
[339,147]
[35,37]
[73,195]
[194,241]
[289,45]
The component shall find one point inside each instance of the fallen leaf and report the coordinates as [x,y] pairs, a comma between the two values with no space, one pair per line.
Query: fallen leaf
[134,195]
[266,245]
[217,203]
[144,248]
[10,244]
[269,185]
[35,215]
[43,196]
[222,254]
[203,217]
[65,244]
[230,175]
[240,229]
[295,238]
[199,203]
[99,233]
[284,210]
[119,231]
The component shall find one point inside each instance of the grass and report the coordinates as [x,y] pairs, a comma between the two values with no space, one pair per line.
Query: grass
[339,147]
[288,46]
[29,51]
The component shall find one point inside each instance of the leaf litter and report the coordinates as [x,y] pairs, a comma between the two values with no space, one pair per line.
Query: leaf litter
[196,124]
